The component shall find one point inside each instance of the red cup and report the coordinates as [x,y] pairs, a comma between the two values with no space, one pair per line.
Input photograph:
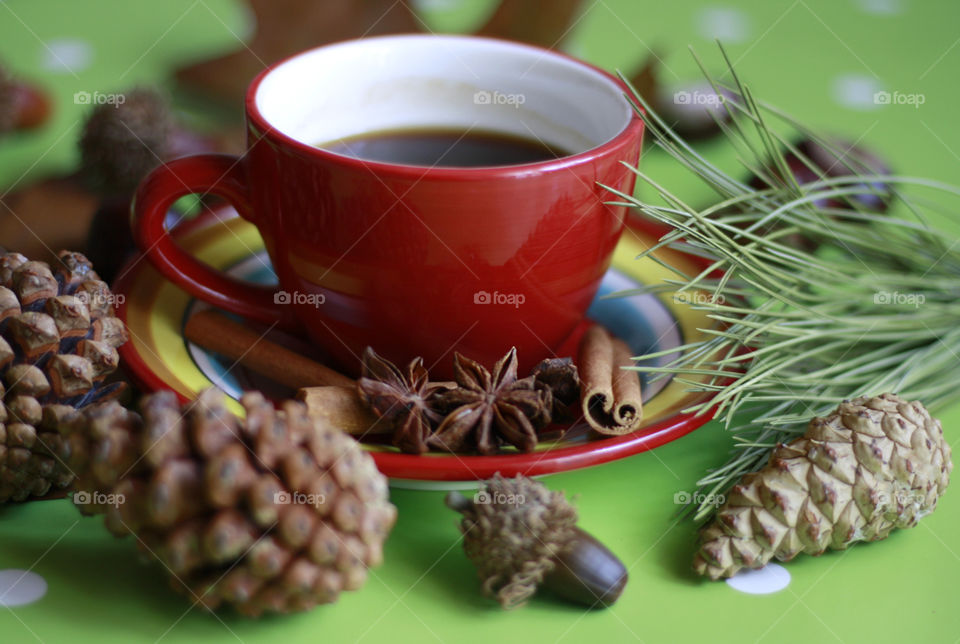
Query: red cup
[414,260]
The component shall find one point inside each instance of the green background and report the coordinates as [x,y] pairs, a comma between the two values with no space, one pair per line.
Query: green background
[792,54]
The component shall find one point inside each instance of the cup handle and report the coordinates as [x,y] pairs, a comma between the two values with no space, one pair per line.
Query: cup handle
[217,174]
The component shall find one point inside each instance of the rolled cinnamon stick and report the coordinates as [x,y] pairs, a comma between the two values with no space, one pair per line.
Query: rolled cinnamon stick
[218,333]
[344,409]
[609,395]
[328,394]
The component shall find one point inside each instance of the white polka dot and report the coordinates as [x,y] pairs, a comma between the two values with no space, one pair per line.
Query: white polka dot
[728,25]
[437,5]
[19,587]
[856,91]
[67,56]
[769,579]
[881,7]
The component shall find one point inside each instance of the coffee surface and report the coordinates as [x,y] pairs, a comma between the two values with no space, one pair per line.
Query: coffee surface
[445,148]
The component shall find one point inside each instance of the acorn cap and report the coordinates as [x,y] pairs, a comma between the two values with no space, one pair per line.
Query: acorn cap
[122,142]
[513,532]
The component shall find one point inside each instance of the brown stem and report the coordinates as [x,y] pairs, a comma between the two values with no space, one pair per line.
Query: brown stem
[456,501]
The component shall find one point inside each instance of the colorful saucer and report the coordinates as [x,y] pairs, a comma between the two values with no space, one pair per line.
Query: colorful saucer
[157,355]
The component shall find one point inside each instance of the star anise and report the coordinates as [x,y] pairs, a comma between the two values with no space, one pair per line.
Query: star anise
[560,378]
[404,399]
[488,409]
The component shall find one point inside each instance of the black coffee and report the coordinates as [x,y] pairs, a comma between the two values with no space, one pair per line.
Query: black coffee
[449,148]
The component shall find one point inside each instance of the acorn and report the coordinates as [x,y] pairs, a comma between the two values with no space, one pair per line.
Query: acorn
[853,160]
[23,106]
[121,143]
[521,537]
[693,110]
[816,160]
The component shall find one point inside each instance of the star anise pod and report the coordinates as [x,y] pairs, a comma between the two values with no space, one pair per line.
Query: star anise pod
[490,409]
[560,378]
[404,399]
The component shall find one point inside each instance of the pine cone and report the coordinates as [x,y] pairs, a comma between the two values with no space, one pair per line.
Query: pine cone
[58,340]
[873,465]
[275,513]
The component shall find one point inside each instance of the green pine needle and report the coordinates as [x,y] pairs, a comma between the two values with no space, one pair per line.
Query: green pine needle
[869,304]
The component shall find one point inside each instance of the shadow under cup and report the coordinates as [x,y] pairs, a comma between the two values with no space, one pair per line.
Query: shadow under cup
[424,261]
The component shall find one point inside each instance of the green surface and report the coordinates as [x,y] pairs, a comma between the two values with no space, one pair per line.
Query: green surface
[898,590]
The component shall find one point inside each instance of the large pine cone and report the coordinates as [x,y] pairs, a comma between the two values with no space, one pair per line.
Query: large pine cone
[58,340]
[275,513]
[873,465]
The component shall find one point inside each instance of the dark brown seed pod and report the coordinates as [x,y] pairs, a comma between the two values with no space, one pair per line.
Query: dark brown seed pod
[560,378]
[836,157]
[692,110]
[522,537]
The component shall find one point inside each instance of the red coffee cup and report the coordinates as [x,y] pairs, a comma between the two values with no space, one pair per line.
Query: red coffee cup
[414,260]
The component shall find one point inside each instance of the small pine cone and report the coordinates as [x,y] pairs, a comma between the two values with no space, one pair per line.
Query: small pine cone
[277,512]
[873,465]
[58,345]
[513,532]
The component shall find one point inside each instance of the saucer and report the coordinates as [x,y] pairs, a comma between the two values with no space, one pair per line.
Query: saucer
[157,355]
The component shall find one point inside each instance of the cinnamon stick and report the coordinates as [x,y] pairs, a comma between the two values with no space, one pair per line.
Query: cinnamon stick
[342,407]
[609,395]
[328,394]
[218,333]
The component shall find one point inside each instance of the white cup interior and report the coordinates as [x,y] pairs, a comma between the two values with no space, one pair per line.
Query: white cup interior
[451,82]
